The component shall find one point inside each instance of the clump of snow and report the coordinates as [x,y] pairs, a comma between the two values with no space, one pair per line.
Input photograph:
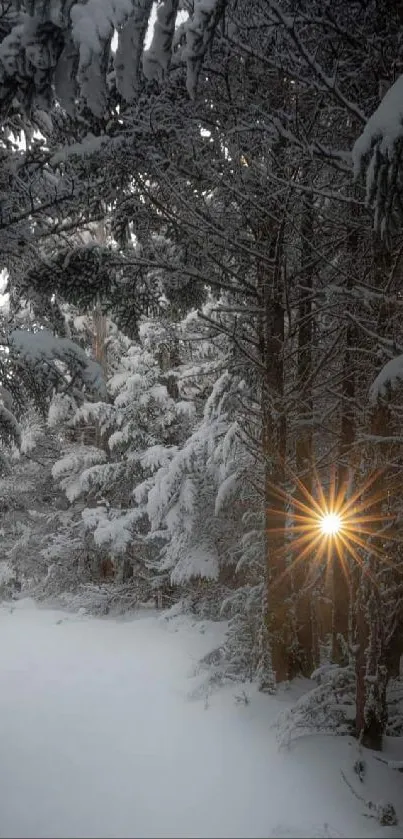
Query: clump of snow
[75,460]
[94,22]
[199,561]
[226,491]
[157,58]
[157,456]
[129,50]
[89,145]
[377,154]
[199,30]
[390,374]
[42,346]
[186,409]
[60,408]
[110,529]
[31,433]
[385,125]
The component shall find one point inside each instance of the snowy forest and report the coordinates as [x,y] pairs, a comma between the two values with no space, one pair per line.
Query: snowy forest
[201,315]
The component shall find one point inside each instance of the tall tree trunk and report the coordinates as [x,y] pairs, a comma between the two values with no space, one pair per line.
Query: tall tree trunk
[394,650]
[274,439]
[371,657]
[341,568]
[271,339]
[306,658]
[271,327]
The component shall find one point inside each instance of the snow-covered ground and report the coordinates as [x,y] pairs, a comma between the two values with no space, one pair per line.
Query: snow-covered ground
[99,736]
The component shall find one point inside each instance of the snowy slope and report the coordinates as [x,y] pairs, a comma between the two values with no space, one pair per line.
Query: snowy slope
[100,738]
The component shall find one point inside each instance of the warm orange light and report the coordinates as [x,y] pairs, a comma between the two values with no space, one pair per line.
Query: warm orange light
[334,525]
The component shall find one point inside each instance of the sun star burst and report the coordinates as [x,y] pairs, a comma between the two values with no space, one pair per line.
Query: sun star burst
[334,525]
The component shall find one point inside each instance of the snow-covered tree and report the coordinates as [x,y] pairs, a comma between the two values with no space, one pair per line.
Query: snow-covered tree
[78,50]
[140,423]
[236,204]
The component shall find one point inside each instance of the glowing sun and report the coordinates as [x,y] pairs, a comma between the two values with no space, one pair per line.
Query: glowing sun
[334,525]
[331,524]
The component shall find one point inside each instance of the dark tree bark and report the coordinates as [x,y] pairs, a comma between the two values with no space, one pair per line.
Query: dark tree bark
[371,657]
[306,657]
[274,446]
[341,569]
[274,432]
[394,651]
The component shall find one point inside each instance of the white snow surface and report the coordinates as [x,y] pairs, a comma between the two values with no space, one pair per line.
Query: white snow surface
[100,737]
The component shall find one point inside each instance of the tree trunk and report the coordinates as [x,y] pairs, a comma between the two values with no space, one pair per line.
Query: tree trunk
[274,440]
[371,664]
[371,658]
[271,342]
[341,569]
[271,328]
[394,652]
[342,583]
[306,657]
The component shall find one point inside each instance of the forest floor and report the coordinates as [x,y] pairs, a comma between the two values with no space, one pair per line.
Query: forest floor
[106,730]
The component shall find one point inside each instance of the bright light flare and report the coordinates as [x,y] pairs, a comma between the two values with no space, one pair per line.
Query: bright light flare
[337,526]
[330,524]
